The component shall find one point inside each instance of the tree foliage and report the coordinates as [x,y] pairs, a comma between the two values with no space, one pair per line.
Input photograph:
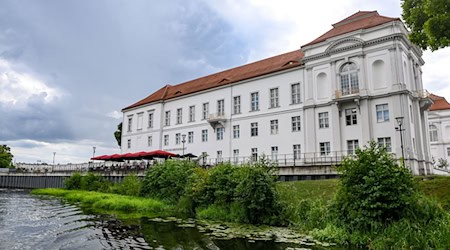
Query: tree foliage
[5,157]
[429,21]
[374,189]
[118,134]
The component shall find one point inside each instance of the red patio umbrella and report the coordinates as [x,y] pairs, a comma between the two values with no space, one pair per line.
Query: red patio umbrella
[100,157]
[160,154]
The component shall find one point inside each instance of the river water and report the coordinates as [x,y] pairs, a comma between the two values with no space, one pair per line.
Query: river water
[32,222]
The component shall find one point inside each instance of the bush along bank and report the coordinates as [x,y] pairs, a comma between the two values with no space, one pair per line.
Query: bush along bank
[376,205]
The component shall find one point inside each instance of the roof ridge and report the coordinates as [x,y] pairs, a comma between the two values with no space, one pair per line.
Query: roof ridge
[355,17]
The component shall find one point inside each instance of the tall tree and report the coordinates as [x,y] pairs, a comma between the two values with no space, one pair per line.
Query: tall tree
[429,21]
[5,157]
[118,134]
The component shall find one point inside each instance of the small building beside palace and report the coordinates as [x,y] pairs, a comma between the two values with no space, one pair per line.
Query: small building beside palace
[439,120]
[312,105]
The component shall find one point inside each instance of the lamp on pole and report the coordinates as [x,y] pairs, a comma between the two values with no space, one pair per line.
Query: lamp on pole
[183,141]
[93,151]
[53,166]
[400,129]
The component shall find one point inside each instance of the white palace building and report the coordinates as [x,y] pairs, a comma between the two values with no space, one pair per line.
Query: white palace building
[309,106]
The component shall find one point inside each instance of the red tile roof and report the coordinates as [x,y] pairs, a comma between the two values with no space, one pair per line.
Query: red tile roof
[440,103]
[357,21]
[259,68]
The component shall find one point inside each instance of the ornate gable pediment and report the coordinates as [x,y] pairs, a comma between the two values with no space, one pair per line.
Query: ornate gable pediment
[345,43]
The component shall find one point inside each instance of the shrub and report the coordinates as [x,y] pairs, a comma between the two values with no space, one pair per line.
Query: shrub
[73,182]
[221,184]
[131,185]
[93,182]
[373,190]
[167,181]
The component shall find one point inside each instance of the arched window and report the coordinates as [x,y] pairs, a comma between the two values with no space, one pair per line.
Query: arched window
[349,79]
[433,133]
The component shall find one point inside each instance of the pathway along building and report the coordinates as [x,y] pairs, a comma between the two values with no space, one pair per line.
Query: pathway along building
[309,106]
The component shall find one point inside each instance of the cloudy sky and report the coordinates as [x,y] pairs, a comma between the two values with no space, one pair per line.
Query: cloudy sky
[67,68]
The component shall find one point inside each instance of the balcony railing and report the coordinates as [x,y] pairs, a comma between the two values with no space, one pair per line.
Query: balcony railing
[345,92]
[216,118]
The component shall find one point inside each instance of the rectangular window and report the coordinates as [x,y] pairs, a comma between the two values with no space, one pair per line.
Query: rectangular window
[191,113]
[274,153]
[191,137]
[129,143]
[219,156]
[205,111]
[219,133]
[221,107]
[236,131]
[254,129]
[352,145]
[297,151]
[236,156]
[296,125]
[140,119]
[448,151]
[274,98]
[325,148]
[130,123]
[254,154]
[150,119]
[386,143]
[323,120]
[350,117]
[237,105]
[254,101]
[382,113]
[274,127]
[179,116]
[166,140]
[177,138]
[149,140]
[167,118]
[204,135]
[295,93]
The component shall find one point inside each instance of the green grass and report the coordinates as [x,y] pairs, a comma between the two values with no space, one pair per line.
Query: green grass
[294,191]
[137,206]
[437,187]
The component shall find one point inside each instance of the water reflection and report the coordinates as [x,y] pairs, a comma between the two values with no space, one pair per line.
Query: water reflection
[29,222]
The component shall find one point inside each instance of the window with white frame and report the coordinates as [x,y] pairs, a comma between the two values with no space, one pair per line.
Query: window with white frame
[385,142]
[177,138]
[130,123]
[204,135]
[166,140]
[274,153]
[352,145]
[167,118]
[236,156]
[323,120]
[296,125]
[205,110]
[150,119]
[219,156]
[129,143]
[295,93]
[274,98]
[349,79]
[179,116]
[325,148]
[237,105]
[254,101]
[236,131]
[191,137]
[382,112]
[140,120]
[297,151]
[254,154]
[433,133]
[273,127]
[350,117]
[219,133]
[448,151]
[149,141]
[192,113]
[221,107]
[254,129]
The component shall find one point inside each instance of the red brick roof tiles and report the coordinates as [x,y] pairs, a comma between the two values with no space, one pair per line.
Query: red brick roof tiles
[440,103]
[357,21]
[259,68]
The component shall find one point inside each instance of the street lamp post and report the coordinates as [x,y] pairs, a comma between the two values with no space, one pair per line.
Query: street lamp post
[183,141]
[93,151]
[53,166]
[400,129]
